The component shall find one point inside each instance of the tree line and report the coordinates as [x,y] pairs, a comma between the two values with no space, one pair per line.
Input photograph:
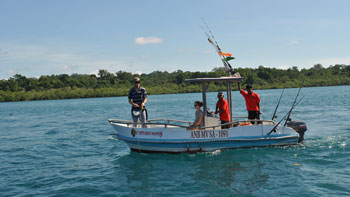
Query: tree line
[106,84]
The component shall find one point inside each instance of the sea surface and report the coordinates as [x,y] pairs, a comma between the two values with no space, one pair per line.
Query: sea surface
[65,148]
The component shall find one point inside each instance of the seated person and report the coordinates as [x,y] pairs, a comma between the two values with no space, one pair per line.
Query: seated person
[198,120]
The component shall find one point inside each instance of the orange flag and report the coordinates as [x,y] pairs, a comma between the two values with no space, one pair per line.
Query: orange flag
[225,54]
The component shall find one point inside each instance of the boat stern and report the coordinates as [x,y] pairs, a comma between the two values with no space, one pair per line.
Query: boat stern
[299,127]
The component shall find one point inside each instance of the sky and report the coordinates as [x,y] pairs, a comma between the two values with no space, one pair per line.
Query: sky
[41,37]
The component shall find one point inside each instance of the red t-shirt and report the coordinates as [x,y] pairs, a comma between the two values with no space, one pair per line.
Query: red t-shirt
[251,100]
[225,114]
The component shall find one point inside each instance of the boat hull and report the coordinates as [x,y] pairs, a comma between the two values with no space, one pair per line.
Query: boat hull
[180,140]
[194,147]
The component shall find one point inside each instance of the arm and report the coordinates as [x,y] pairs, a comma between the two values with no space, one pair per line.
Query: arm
[259,108]
[258,99]
[144,98]
[133,104]
[143,103]
[220,110]
[199,121]
[241,91]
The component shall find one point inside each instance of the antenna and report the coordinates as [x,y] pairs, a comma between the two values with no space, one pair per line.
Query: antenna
[225,57]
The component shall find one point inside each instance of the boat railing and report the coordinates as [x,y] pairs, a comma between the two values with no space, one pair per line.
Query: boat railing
[168,123]
[233,117]
[237,123]
[150,122]
[169,120]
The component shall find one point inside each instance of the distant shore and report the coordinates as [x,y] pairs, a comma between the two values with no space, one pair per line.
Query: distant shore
[106,84]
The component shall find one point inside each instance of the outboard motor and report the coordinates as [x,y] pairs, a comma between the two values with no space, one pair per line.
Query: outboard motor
[299,127]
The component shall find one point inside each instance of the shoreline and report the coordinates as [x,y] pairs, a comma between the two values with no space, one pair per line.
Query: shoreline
[43,92]
[106,84]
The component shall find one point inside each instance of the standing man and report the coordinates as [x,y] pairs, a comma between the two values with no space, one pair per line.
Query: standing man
[252,101]
[137,99]
[223,109]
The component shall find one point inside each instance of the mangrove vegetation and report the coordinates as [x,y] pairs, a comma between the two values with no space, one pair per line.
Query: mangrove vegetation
[107,84]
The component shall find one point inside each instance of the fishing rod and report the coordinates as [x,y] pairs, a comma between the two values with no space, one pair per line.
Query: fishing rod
[294,103]
[225,57]
[274,113]
[288,113]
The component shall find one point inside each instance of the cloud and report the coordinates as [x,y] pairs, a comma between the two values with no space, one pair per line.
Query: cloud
[145,56]
[11,72]
[3,53]
[186,51]
[332,61]
[36,60]
[138,72]
[208,51]
[70,67]
[95,72]
[148,40]
[284,67]
[293,42]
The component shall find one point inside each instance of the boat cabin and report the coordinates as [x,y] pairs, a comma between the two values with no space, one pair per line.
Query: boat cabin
[208,119]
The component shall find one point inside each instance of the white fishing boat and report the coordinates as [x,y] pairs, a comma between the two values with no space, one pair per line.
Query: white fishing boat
[175,136]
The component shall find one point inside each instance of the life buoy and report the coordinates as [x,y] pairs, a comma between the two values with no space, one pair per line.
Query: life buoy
[244,124]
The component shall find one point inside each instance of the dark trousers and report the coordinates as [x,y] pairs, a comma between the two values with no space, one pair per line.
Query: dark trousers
[224,126]
[252,115]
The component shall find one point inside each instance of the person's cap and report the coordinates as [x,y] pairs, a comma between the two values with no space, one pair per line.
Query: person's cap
[137,79]
[220,93]
[249,87]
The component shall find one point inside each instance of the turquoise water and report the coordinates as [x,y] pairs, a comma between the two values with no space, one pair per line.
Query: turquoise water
[64,148]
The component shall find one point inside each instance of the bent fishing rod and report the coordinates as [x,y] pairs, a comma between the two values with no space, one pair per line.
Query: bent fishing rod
[274,113]
[287,114]
[225,57]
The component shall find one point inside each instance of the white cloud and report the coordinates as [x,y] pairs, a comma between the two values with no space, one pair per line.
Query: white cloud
[11,72]
[284,67]
[3,53]
[95,72]
[331,61]
[293,42]
[186,51]
[36,60]
[145,56]
[208,51]
[138,72]
[148,40]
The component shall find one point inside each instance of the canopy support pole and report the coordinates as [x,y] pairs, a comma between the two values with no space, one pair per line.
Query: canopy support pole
[229,98]
[204,95]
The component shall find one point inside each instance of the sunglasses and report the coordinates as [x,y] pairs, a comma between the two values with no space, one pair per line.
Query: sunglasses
[137,82]
[195,105]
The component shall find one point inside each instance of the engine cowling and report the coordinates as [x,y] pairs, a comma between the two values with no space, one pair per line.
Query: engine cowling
[299,127]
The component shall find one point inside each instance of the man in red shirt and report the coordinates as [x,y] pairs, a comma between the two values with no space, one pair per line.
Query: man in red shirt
[223,109]
[252,101]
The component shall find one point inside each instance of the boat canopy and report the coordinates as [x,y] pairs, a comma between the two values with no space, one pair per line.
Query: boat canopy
[217,79]
[227,80]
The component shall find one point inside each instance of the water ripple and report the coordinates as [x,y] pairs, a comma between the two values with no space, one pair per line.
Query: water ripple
[63,148]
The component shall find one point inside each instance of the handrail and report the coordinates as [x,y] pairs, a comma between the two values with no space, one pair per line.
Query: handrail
[182,126]
[169,120]
[233,122]
[239,117]
[146,123]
